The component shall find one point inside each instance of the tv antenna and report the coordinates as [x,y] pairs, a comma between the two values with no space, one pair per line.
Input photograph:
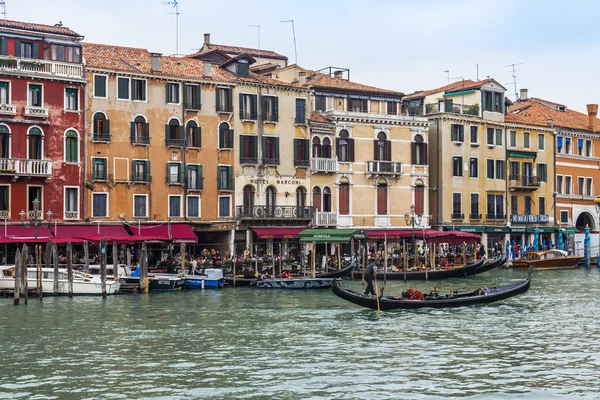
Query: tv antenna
[258,30]
[175,4]
[514,76]
[3,5]
[294,33]
[455,78]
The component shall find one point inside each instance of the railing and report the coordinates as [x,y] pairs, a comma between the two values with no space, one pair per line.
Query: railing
[99,176]
[495,216]
[524,181]
[270,161]
[140,139]
[248,160]
[34,111]
[31,214]
[194,184]
[274,212]
[432,108]
[192,106]
[384,167]
[325,218]
[175,142]
[42,67]
[458,216]
[8,109]
[71,214]
[16,166]
[246,116]
[474,216]
[300,121]
[301,163]
[142,178]
[319,164]
[4,214]
[101,137]
[175,179]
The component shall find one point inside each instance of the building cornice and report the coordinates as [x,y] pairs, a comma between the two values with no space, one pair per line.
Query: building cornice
[377,119]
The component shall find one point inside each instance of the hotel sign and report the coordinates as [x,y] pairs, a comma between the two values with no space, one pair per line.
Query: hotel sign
[529,219]
[275,182]
[356,96]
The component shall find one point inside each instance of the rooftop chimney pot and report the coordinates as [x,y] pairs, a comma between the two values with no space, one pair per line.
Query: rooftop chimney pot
[155,62]
[207,39]
[524,94]
[338,74]
[592,110]
[302,78]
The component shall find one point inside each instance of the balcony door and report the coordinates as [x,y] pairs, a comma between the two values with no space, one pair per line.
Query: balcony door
[248,200]
[35,142]
[317,199]
[270,197]
[527,169]
[300,201]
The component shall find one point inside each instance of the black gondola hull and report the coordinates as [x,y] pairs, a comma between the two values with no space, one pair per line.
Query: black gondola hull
[490,265]
[431,275]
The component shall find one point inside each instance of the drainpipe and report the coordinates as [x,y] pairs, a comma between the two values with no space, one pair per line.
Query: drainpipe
[83,212]
[437,180]
[506,169]
[554,169]
[184,154]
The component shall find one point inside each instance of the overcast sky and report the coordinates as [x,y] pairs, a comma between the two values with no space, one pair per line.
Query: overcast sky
[404,45]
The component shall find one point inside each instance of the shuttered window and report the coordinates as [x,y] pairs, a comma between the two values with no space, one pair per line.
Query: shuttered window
[100,83]
[301,152]
[344,198]
[71,147]
[382,194]
[419,199]
[301,111]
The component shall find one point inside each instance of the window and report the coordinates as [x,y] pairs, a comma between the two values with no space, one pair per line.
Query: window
[225,136]
[175,206]
[194,177]
[320,103]
[559,184]
[493,101]
[35,96]
[589,191]
[580,147]
[99,205]
[514,205]
[301,156]
[141,171]
[498,137]
[138,89]
[564,217]
[457,133]
[473,168]
[491,207]
[568,145]
[27,50]
[35,193]
[140,205]
[580,184]
[588,148]
[248,149]
[542,205]
[392,108]
[248,105]
[301,201]
[71,203]
[4,142]
[270,150]
[270,108]
[383,148]
[475,206]
[559,144]
[500,169]
[224,101]
[567,185]
[457,166]
[193,134]
[419,197]
[490,169]
[193,206]
[345,147]
[326,147]
[224,178]
[224,206]
[382,194]
[541,141]
[101,128]
[344,198]
[35,142]
[100,86]
[248,199]
[490,136]
[4,198]
[527,210]
[4,93]
[71,99]
[514,170]
[474,131]
[542,172]
[358,105]
[140,131]
[513,138]
[71,146]
[499,206]
[456,205]
[317,198]
[99,169]
[316,147]
[526,139]
[326,199]
[242,69]
[65,53]
[122,88]
[271,200]
[419,151]
[172,93]
[301,111]
[174,135]
[175,173]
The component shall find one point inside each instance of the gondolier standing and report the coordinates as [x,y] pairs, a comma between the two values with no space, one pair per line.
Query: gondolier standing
[370,274]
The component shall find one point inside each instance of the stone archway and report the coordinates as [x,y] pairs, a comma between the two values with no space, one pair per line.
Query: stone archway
[585,218]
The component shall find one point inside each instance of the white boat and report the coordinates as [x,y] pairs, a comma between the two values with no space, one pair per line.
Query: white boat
[83,284]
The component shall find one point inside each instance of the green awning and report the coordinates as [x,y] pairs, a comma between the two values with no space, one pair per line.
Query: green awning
[459,93]
[466,228]
[518,230]
[497,229]
[522,154]
[541,229]
[568,231]
[330,235]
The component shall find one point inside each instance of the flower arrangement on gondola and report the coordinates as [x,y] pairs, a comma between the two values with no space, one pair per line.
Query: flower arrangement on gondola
[415,294]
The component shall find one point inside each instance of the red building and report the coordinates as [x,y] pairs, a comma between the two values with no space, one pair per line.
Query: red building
[41,121]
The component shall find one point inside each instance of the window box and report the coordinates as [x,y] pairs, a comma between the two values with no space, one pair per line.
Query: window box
[458,216]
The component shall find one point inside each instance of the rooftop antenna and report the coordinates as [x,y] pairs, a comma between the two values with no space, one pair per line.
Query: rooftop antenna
[175,4]
[294,32]
[3,5]
[448,74]
[258,30]
[514,76]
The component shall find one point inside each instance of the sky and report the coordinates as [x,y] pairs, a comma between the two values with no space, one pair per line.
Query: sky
[402,45]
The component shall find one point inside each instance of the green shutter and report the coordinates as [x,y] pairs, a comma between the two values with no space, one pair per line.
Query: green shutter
[218,93]
[106,126]
[276,109]
[254,115]
[264,108]
[277,148]
[132,131]
[222,138]
[199,136]
[296,144]
[230,142]
[181,173]
[264,148]
[182,134]
[242,153]
[18,48]
[241,106]
[167,133]
[168,172]
[198,98]
[123,88]
[95,126]
[200,177]
[4,47]
[255,147]
[185,97]
[219,169]
[35,50]
[147,170]
[229,100]
[448,106]
[307,149]
[167,97]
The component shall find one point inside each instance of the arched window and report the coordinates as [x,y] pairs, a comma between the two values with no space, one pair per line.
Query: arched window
[225,136]
[344,198]
[326,199]
[419,151]
[140,131]
[382,195]
[4,142]
[271,193]
[345,147]
[300,201]
[174,133]
[35,144]
[101,129]
[316,147]
[326,148]
[71,146]
[193,134]
[383,148]
[419,197]
[317,199]
[248,199]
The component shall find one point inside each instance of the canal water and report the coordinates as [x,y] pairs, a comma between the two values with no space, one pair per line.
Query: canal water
[246,343]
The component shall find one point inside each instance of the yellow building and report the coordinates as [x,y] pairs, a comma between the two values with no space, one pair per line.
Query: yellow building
[153,154]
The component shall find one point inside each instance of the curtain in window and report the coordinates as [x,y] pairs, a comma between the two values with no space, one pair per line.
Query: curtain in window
[193,206]
[99,205]
[140,206]
[35,144]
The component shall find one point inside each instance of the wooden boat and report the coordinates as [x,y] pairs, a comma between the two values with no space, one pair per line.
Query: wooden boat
[161,282]
[489,265]
[479,296]
[431,274]
[212,277]
[294,283]
[241,281]
[338,273]
[547,259]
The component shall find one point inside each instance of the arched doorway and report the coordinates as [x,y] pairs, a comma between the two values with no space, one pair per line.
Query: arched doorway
[584,219]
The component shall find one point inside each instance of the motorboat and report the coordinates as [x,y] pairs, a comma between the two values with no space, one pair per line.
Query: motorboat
[547,259]
[210,277]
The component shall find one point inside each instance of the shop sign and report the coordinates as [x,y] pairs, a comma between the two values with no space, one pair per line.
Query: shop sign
[529,219]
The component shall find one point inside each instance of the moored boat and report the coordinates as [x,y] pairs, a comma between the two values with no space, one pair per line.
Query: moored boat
[432,274]
[489,265]
[547,259]
[294,283]
[212,277]
[164,282]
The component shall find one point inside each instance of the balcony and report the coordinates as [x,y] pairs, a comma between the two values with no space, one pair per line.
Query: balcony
[174,142]
[71,215]
[141,178]
[36,112]
[248,160]
[324,218]
[271,161]
[523,182]
[101,137]
[175,179]
[457,216]
[495,217]
[529,219]
[274,212]
[475,217]
[42,68]
[24,167]
[325,165]
[8,109]
[144,140]
[384,168]
[433,108]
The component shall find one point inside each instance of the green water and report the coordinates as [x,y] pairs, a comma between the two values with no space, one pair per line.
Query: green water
[247,343]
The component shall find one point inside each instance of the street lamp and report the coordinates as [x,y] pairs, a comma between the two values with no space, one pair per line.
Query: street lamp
[597,202]
[36,218]
[413,219]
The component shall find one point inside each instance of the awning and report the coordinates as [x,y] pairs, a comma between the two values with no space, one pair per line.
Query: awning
[467,228]
[330,235]
[177,233]
[20,234]
[92,233]
[402,233]
[541,229]
[459,93]
[567,231]
[278,233]
[455,237]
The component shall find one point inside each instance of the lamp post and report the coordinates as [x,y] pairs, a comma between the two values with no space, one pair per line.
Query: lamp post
[36,219]
[597,202]
[414,220]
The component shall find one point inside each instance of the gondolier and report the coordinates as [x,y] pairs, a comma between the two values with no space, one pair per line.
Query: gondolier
[370,274]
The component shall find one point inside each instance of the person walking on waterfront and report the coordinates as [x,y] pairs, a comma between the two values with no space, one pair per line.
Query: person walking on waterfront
[481,252]
[370,274]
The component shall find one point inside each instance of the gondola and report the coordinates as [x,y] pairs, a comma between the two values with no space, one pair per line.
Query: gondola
[490,265]
[433,274]
[479,296]
[338,273]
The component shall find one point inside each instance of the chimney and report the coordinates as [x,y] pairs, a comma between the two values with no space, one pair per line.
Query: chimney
[207,69]
[592,110]
[155,62]
[207,39]
[302,78]
[523,95]
[338,74]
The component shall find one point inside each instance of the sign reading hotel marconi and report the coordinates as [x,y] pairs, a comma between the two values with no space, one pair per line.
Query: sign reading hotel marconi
[276,181]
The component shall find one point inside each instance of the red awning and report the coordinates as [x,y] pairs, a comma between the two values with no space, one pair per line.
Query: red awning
[456,237]
[402,233]
[179,233]
[92,233]
[20,234]
[278,233]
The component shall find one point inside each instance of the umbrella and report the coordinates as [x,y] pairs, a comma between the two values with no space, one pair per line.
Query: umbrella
[536,239]
[586,247]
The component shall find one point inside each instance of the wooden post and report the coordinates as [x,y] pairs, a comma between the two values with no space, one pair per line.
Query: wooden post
[144,271]
[103,257]
[405,259]
[38,270]
[18,272]
[385,253]
[313,271]
[115,262]
[352,257]
[339,256]
[70,268]
[25,274]
[363,261]
[255,260]
[55,262]
[86,255]
[128,256]
[280,260]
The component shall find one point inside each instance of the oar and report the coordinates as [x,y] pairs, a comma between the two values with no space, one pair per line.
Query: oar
[377,297]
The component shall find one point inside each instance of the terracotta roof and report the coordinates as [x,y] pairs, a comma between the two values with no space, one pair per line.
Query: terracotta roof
[318,117]
[534,112]
[452,87]
[318,80]
[59,30]
[137,61]
[265,80]
[239,50]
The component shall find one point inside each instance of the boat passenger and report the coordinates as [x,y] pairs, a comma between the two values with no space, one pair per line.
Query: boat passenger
[370,274]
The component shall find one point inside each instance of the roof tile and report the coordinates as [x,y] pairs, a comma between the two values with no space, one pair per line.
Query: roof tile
[59,30]
[452,87]
[535,112]
[239,50]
